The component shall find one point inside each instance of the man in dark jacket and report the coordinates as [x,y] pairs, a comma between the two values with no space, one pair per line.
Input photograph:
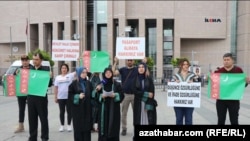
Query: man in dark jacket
[38,106]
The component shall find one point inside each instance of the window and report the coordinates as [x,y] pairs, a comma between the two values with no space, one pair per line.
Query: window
[168,45]
[167,60]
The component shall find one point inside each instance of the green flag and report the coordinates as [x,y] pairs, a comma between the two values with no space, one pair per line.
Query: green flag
[95,61]
[226,86]
[9,85]
[33,82]
[18,93]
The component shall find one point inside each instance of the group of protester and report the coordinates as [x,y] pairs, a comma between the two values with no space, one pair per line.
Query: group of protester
[104,102]
[184,115]
[37,105]
[94,100]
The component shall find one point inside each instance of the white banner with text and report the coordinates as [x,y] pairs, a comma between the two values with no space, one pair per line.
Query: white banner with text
[183,94]
[130,47]
[65,50]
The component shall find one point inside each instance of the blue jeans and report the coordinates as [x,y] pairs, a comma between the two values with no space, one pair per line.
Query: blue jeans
[184,112]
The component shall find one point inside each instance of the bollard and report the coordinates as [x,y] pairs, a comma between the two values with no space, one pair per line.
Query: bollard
[164,84]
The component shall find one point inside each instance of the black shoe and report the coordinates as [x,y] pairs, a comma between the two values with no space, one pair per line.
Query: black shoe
[124,132]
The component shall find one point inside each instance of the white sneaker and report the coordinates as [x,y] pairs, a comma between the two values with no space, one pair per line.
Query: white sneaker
[96,127]
[69,128]
[61,129]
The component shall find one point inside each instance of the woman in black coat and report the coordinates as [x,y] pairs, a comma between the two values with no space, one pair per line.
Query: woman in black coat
[80,98]
[144,102]
[109,116]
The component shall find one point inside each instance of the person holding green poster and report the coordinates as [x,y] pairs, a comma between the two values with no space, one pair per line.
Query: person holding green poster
[22,100]
[222,105]
[38,105]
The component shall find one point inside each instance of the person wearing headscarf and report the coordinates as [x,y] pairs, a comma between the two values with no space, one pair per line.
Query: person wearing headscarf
[80,98]
[109,117]
[144,102]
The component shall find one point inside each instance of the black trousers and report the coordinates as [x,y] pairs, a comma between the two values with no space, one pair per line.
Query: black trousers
[22,100]
[64,104]
[38,107]
[104,138]
[233,107]
[82,136]
[94,111]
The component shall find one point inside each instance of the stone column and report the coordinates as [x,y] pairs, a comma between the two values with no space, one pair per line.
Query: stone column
[159,49]
[41,27]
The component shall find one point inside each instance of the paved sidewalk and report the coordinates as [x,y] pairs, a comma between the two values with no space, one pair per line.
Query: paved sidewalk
[205,115]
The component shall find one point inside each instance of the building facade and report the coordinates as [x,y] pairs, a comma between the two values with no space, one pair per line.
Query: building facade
[201,31]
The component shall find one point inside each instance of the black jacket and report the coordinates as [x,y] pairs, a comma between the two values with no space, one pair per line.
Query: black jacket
[81,111]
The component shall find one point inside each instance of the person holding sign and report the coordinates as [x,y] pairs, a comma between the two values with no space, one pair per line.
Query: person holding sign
[22,100]
[183,75]
[110,95]
[80,99]
[128,73]
[144,102]
[233,106]
[38,105]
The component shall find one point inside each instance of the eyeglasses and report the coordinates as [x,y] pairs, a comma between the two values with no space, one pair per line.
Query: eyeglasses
[129,60]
